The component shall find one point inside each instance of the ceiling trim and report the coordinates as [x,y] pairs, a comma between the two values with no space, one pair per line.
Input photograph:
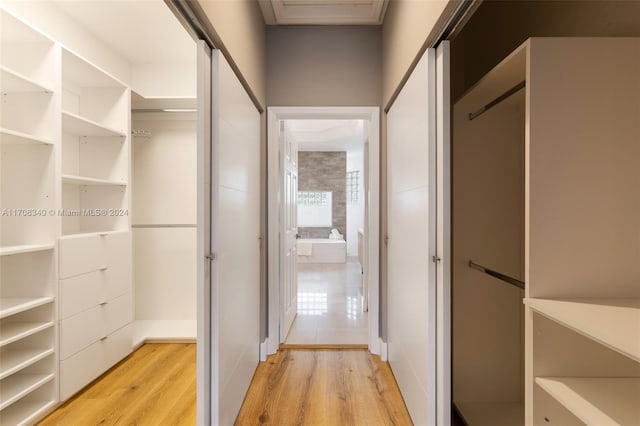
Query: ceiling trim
[323,12]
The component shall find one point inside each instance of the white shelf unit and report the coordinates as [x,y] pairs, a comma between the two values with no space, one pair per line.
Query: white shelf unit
[95,148]
[569,139]
[29,197]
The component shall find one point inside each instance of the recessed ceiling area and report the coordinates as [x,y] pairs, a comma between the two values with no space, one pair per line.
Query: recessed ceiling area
[328,135]
[323,12]
[141,31]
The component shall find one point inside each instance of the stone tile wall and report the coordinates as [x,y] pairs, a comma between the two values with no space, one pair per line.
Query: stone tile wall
[325,171]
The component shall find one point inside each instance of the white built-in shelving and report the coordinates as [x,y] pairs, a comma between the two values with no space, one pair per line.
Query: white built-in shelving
[614,323]
[82,180]
[597,401]
[77,125]
[564,222]
[29,134]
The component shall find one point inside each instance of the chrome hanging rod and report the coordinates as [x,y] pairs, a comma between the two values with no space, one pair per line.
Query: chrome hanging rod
[498,275]
[163,110]
[497,100]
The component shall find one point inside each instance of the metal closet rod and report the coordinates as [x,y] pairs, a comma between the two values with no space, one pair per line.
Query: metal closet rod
[497,100]
[164,110]
[498,275]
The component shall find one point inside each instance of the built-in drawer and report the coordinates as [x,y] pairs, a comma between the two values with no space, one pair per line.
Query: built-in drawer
[82,292]
[79,255]
[81,330]
[80,369]
[117,281]
[93,252]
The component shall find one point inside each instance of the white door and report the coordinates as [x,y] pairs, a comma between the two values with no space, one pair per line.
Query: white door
[289,230]
[229,209]
[411,150]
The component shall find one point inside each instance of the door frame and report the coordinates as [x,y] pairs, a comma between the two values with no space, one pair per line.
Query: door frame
[370,115]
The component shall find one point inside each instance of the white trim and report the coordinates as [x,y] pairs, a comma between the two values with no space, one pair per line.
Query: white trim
[372,259]
[264,347]
[384,354]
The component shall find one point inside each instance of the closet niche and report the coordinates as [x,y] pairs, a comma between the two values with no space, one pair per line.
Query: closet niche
[546,196]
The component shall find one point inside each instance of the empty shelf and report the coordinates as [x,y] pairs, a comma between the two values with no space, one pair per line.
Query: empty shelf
[491,413]
[25,412]
[15,360]
[17,386]
[12,137]
[25,248]
[14,331]
[15,82]
[597,401]
[74,124]
[15,305]
[83,180]
[614,323]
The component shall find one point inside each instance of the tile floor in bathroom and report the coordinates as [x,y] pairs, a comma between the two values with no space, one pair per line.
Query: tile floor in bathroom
[329,305]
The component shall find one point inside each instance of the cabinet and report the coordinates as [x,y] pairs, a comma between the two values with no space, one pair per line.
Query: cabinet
[28,135]
[96,305]
[546,190]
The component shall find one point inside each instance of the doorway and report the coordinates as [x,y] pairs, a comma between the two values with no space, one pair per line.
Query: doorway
[317,276]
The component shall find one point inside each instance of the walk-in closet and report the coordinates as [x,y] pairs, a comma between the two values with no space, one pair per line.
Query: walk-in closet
[546,278]
[98,194]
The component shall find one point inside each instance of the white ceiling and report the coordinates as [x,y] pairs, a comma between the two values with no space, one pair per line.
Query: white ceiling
[142,31]
[323,12]
[328,135]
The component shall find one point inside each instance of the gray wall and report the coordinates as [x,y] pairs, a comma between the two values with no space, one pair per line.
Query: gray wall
[324,66]
[325,171]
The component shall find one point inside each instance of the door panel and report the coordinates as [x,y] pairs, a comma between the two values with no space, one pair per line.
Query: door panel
[235,232]
[289,213]
[412,241]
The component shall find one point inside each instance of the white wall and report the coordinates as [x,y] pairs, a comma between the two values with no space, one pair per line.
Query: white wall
[355,212]
[164,193]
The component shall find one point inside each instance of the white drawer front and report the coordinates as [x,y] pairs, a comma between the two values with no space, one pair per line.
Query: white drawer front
[79,255]
[81,330]
[80,369]
[80,293]
[117,281]
[117,313]
[117,249]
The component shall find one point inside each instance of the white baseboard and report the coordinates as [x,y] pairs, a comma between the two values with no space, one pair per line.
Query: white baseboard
[264,349]
[383,351]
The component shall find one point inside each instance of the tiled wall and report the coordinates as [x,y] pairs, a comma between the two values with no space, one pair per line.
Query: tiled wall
[325,171]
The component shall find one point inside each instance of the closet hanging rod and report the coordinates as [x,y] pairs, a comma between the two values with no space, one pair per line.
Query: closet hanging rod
[135,110]
[497,100]
[498,275]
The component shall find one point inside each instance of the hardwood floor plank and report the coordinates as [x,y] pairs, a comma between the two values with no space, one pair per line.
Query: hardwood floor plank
[323,387]
[156,385]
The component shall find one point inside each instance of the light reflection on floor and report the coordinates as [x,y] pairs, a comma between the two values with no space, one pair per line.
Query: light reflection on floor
[329,305]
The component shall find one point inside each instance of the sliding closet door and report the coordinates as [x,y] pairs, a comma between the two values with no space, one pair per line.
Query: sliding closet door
[411,304]
[228,244]
[235,231]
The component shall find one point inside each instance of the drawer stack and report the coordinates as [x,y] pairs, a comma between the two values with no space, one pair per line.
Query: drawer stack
[96,306]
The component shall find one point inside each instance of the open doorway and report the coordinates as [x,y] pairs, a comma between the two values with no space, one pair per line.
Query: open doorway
[323,226]
[330,300]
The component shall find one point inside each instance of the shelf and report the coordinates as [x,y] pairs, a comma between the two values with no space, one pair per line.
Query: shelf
[81,180]
[20,385]
[74,124]
[14,82]
[166,331]
[614,323]
[25,248]
[491,413]
[81,73]
[11,137]
[16,360]
[15,305]
[89,234]
[14,331]
[597,401]
[23,412]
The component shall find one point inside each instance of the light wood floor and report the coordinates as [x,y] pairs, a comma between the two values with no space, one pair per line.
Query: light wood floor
[323,387]
[156,386]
